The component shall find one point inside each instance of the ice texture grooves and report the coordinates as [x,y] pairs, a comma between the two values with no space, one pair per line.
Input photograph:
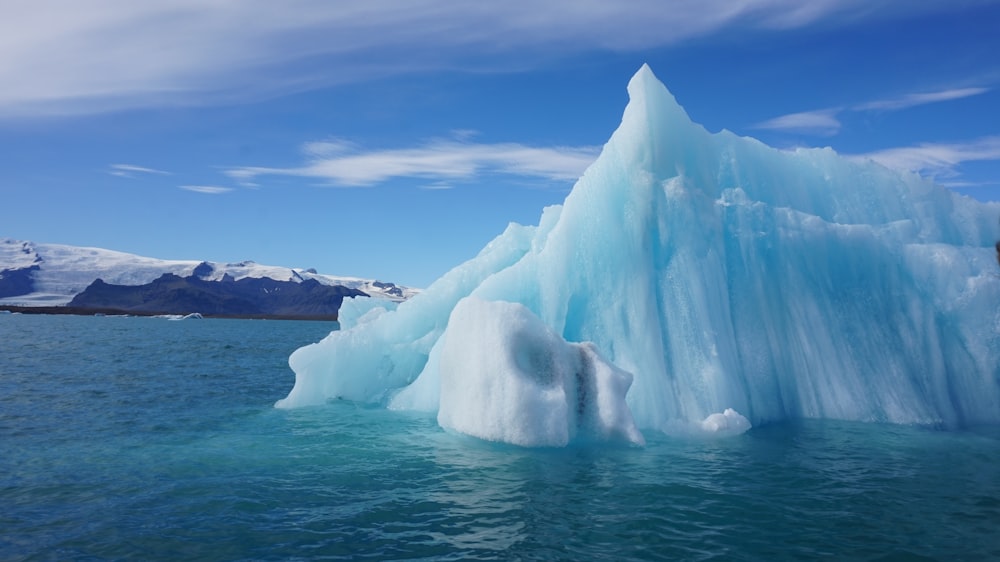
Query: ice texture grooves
[722,273]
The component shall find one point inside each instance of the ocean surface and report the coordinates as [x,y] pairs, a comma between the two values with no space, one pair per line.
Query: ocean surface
[145,438]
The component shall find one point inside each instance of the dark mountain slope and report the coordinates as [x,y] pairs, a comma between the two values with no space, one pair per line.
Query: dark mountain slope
[17,282]
[250,296]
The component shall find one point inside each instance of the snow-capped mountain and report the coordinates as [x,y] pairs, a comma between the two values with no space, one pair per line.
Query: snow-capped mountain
[35,274]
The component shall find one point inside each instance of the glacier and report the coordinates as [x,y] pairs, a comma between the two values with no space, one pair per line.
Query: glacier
[714,281]
[55,273]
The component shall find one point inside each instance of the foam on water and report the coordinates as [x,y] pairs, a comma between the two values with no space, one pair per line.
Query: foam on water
[721,274]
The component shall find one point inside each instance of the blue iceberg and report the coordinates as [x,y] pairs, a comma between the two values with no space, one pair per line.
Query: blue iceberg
[695,282]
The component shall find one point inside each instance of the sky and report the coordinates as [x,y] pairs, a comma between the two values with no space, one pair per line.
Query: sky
[393,140]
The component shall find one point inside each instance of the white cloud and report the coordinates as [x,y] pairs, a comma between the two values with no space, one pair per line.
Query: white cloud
[913,100]
[442,161]
[319,149]
[825,122]
[438,186]
[821,122]
[209,189]
[130,170]
[937,159]
[969,184]
[464,135]
[68,57]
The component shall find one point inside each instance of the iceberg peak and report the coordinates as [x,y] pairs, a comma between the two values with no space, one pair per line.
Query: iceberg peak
[654,124]
[718,273]
[645,89]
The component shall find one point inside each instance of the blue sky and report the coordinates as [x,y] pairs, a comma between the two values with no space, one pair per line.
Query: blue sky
[393,140]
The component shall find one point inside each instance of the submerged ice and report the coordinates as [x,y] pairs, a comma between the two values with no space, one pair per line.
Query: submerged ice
[731,282]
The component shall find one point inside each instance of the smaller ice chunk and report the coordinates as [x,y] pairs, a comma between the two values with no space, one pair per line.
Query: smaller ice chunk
[505,376]
[729,422]
[362,310]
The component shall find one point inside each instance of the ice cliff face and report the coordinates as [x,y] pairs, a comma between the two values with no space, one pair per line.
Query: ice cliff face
[720,273]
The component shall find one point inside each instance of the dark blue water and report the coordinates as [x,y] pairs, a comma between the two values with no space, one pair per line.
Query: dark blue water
[140,438]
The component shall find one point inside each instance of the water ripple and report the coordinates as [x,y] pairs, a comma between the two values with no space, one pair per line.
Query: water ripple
[158,440]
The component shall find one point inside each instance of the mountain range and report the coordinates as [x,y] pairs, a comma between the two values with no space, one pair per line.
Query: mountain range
[55,275]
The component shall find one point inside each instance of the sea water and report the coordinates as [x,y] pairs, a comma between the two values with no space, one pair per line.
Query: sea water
[144,438]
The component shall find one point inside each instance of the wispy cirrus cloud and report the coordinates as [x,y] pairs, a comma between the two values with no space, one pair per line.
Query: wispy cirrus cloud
[131,170]
[440,161]
[937,159]
[913,100]
[207,189]
[822,122]
[826,122]
[62,57]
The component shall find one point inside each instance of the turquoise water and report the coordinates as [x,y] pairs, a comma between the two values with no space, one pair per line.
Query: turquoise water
[142,438]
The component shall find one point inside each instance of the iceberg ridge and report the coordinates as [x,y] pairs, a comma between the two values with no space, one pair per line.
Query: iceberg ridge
[721,274]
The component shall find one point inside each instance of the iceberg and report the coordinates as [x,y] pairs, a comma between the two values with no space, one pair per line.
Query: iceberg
[730,282]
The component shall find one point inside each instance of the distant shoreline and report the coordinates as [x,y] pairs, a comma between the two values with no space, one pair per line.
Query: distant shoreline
[78,311]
